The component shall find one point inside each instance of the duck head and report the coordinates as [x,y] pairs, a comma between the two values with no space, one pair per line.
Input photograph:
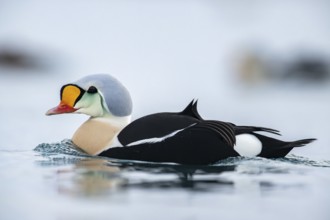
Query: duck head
[96,95]
[106,100]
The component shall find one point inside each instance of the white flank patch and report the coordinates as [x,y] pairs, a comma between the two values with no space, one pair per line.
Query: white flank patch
[247,145]
[156,139]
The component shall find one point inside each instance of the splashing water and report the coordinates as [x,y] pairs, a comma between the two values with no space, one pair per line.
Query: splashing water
[66,146]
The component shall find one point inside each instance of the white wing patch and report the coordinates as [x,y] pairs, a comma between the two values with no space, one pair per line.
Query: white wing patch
[157,139]
[247,145]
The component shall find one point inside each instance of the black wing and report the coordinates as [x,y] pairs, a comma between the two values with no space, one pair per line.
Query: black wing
[250,129]
[159,124]
[202,143]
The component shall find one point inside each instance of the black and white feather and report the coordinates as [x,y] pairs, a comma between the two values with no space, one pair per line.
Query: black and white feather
[186,138]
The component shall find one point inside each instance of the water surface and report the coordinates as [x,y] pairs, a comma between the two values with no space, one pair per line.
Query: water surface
[56,181]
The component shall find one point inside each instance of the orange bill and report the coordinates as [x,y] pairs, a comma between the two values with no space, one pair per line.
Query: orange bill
[70,94]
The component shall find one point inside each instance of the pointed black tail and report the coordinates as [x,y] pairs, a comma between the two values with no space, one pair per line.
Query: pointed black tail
[273,148]
[300,143]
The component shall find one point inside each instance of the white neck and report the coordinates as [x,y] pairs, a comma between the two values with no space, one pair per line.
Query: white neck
[114,120]
[97,133]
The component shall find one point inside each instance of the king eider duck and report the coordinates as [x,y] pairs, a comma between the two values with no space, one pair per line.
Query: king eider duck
[182,137]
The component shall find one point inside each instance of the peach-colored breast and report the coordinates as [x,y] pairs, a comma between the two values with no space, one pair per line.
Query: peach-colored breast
[94,136]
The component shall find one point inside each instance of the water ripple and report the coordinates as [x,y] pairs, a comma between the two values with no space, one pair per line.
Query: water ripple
[67,147]
[96,174]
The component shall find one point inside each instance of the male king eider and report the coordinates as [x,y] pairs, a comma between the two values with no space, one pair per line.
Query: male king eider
[182,137]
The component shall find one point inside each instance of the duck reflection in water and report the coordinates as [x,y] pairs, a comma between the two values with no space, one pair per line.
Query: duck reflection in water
[90,177]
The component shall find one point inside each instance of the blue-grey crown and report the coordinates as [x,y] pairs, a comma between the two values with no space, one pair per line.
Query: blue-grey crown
[116,96]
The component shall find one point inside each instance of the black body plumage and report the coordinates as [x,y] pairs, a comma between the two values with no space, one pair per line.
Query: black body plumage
[187,138]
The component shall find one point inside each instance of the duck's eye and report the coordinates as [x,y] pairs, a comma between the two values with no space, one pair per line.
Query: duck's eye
[92,89]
